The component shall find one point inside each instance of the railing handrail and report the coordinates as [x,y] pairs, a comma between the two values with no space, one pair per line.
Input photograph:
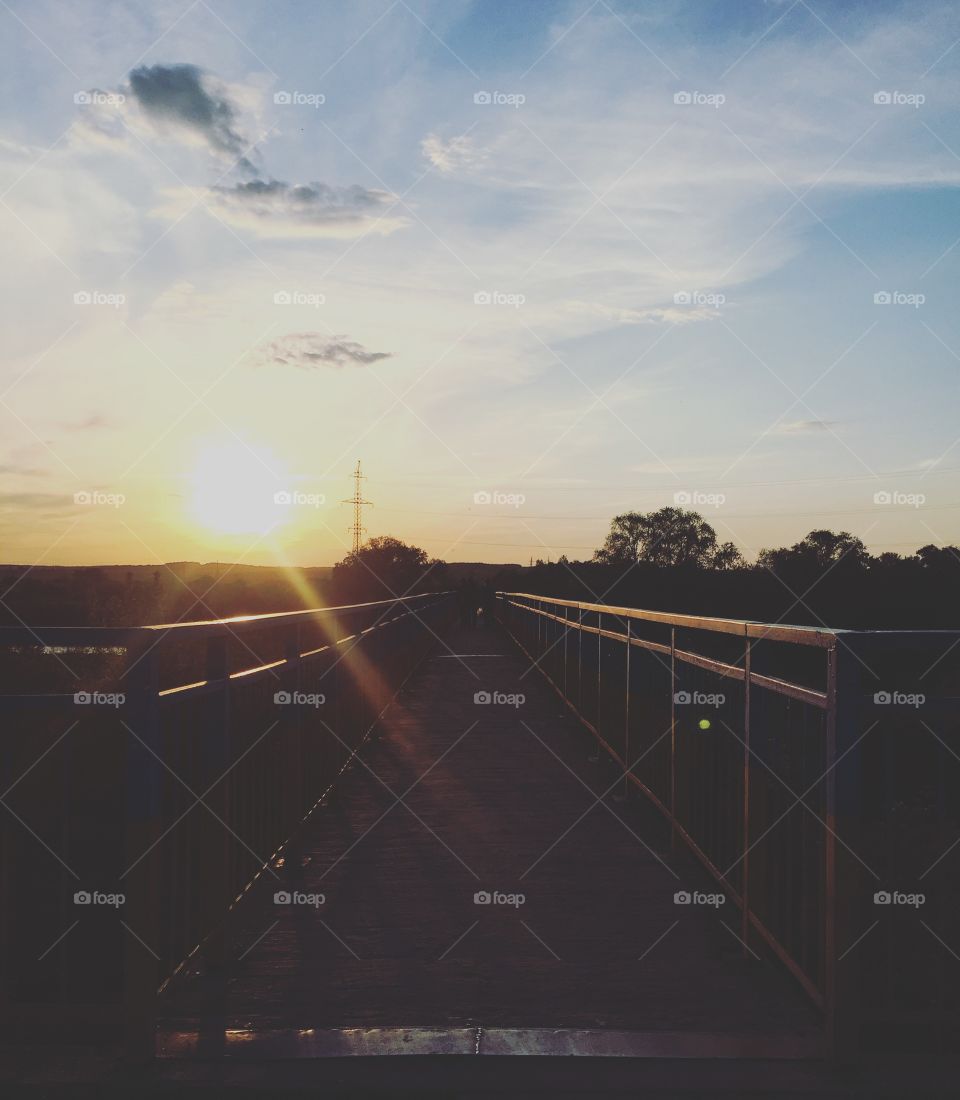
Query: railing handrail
[90,635]
[824,637]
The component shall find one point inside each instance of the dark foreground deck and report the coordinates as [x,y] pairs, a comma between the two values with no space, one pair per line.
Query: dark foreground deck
[449,798]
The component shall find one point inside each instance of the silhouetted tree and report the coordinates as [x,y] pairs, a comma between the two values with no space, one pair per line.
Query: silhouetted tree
[819,550]
[383,568]
[667,537]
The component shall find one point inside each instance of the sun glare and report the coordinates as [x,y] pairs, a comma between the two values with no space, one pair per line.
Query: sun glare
[238,489]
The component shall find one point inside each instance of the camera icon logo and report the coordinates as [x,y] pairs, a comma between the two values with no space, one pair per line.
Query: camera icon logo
[82,897]
[81,98]
[682,697]
[282,97]
[482,298]
[282,496]
[882,897]
[882,698]
[682,897]
[682,498]
[82,698]
[682,298]
[484,496]
[883,497]
[882,298]
[482,697]
[482,97]
[483,897]
[82,298]
[282,298]
[882,97]
[282,697]
[282,897]
[682,97]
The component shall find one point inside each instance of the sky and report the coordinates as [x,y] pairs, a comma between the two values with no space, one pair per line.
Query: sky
[534,264]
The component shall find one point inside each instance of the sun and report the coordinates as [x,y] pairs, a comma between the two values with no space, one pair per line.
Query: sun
[238,488]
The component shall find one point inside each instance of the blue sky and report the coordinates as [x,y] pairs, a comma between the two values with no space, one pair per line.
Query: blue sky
[577,258]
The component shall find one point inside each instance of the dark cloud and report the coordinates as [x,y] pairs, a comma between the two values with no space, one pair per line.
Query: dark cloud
[309,350]
[301,206]
[186,96]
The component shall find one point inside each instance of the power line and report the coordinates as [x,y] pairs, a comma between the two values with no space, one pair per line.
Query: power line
[703,482]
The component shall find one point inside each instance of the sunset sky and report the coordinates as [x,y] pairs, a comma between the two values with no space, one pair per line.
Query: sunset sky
[534,263]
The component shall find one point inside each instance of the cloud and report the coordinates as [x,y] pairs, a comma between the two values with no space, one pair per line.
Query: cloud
[650,315]
[88,423]
[806,427]
[309,350]
[185,98]
[273,208]
[191,105]
[21,471]
[448,156]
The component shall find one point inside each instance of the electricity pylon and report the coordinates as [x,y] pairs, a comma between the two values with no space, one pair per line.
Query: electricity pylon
[358,502]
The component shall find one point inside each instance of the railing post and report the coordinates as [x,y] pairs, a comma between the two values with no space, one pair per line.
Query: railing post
[141,975]
[745,865]
[293,795]
[846,916]
[626,715]
[214,869]
[674,836]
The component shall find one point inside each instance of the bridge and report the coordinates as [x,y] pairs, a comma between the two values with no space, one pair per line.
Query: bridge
[352,832]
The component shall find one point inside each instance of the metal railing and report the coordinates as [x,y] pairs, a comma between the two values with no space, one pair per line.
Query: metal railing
[168,770]
[758,742]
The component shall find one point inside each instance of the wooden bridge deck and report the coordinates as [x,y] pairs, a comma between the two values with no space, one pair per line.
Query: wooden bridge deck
[450,798]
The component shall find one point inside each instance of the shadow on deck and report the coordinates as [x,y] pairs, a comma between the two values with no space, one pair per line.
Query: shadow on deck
[451,798]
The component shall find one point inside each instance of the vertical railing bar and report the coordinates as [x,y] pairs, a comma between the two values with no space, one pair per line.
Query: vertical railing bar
[745,865]
[674,836]
[830,853]
[626,716]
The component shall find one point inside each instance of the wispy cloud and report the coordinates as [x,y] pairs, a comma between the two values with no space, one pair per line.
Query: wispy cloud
[805,427]
[449,155]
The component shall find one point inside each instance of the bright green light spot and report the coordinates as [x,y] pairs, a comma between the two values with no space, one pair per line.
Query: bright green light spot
[704,723]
